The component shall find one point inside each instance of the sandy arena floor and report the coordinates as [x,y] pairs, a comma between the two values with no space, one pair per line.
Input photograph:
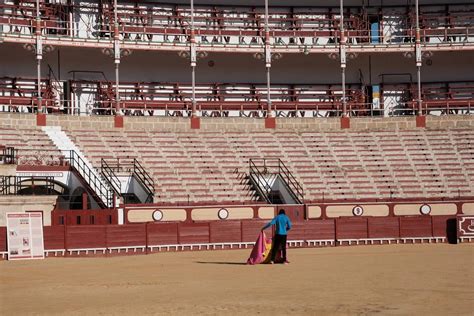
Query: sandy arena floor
[362,280]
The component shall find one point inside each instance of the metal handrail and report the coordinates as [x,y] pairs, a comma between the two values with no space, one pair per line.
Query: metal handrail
[279,169]
[110,176]
[296,188]
[103,192]
[144,177]
[258,178]
[10,185]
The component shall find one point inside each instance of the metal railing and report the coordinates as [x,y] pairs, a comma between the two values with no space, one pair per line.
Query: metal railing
[110,176]
[264,171]
[11,185]
[8,156]
[258,178]
[216,27]
[295,188]
[242,108]
[144,177]
[111,167]
[104,194]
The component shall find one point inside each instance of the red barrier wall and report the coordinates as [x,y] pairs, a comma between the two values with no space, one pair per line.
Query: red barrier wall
[126,235]
[297,231]
[383,227]
[227,231]
[162,233]
[351,228]
[320,230]
[251,229]
[86,237]
[3,239]
[102,236]
[419,226]
[53,237]
[84,217]
[294,212]
[193,233]
[440,225]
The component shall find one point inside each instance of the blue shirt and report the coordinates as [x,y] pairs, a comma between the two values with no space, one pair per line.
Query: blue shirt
[282,222]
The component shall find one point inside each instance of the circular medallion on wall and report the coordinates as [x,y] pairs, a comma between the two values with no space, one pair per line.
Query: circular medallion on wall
[358,210]
[223,213]
[425,209]
[157,215]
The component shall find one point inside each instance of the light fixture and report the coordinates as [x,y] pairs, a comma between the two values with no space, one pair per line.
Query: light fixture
[261,56]
[32,48]
[352,55]
[408,55]
[306,51]
[111,53]
[199,54]
[424,55]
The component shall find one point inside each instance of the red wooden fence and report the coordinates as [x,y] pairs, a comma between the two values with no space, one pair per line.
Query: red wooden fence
[238,231]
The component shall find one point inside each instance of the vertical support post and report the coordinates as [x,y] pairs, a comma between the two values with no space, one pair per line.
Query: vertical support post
[268,60]
[270,121]
[39,55]
[193,61]
[116,59]
[40,112]
[345,121]
[118,118]
[418,57]
[420,119]
[342,48]
[195,121]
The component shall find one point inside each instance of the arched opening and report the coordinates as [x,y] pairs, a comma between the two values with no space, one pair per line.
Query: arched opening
[40,186]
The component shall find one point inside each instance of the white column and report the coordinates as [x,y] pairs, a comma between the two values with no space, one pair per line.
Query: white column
[342,52]
[116,59]
[268,61]
[193,59]
[418,58]
[39,56]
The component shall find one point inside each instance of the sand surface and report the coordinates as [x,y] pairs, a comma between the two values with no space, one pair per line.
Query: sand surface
[430,279]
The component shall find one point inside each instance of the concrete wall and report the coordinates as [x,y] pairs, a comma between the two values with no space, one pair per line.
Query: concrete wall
[22,204]
[236,123]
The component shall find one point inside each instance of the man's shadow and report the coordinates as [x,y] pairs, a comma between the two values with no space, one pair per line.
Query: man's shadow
[213,262]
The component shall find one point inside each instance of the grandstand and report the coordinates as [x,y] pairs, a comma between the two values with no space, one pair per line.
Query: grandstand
[166,125]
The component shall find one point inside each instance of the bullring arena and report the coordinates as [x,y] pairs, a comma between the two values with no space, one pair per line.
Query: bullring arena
[143,146]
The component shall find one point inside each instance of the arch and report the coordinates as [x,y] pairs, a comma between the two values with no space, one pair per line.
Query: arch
[41,186]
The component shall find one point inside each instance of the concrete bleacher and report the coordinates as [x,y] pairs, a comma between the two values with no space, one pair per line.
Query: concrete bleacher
[210,166]
[33,145]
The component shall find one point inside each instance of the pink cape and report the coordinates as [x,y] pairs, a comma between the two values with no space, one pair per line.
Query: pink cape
[261,250]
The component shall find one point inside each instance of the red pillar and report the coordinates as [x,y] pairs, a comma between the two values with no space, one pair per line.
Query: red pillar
[118,121]
[40,119]
[195,122]
[345,122]
[84,201]
[270,122]
[421,121]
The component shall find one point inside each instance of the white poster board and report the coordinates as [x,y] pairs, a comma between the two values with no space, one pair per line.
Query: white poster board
[25,236]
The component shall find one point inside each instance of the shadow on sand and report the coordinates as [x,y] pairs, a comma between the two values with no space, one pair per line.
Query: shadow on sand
[213,262]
